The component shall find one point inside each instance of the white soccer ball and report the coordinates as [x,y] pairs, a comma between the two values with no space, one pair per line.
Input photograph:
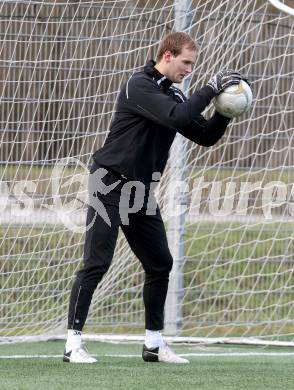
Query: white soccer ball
[234,100]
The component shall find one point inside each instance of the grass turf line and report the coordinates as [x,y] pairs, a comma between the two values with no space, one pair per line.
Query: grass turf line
[203,373]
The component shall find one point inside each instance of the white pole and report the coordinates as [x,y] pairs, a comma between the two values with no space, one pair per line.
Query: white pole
[177,201]
[282,7]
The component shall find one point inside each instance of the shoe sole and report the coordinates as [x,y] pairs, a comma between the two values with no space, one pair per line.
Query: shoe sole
[67,360]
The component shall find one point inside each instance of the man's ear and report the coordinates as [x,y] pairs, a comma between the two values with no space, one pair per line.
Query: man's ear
[167,56]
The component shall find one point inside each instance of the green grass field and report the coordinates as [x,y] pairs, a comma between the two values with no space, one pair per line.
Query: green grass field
[34,366]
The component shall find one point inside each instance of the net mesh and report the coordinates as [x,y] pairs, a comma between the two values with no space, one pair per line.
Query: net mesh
[62,65]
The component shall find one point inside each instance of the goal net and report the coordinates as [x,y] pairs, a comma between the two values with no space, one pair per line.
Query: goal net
[62,65]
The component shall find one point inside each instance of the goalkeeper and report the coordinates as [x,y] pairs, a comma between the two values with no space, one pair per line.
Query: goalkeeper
[149,113]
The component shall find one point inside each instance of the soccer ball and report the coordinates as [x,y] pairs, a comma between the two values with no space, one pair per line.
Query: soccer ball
[234,100]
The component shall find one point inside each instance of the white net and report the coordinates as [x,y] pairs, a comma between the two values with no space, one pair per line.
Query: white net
[62,64]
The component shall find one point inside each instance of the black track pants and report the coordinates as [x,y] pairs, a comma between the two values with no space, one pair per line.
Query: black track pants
[147,238]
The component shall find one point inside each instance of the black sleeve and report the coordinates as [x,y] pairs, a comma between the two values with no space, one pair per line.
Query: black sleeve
[206,132]
[145,98]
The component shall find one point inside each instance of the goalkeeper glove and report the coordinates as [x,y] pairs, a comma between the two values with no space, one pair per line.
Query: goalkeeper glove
[224,79]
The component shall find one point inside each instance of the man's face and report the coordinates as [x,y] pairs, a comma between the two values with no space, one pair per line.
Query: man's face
[180,66]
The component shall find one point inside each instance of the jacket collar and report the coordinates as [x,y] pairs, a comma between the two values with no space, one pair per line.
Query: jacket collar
[161,80]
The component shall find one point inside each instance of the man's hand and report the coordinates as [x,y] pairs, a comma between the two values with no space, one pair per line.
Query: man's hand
[224,79]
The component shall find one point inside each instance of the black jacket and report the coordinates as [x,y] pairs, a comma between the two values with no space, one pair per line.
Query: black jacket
[149,113]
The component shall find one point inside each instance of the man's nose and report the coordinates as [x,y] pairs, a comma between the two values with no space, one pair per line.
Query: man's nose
[189,69]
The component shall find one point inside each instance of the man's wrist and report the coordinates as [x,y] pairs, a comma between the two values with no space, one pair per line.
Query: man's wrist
[208,91]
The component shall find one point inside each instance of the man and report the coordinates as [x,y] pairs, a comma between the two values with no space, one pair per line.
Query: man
[149,113]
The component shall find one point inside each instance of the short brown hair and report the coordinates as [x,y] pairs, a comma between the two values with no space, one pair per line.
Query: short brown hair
[174,42]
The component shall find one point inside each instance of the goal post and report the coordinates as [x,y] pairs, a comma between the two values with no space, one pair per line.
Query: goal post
[62,65]
[177,199]
[282,7]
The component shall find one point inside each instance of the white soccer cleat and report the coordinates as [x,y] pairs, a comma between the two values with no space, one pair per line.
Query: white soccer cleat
[162,354]
[79,355]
